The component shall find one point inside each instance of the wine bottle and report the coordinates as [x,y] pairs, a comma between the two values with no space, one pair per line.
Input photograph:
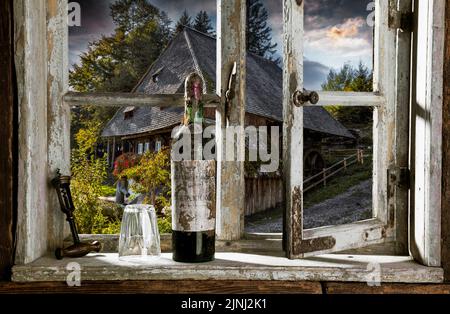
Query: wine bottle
[193,187]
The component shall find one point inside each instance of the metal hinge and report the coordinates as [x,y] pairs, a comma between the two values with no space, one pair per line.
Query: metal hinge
[399,176]
[403,21]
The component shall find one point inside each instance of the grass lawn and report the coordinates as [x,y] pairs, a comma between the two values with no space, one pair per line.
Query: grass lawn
[339,184]
[344,180]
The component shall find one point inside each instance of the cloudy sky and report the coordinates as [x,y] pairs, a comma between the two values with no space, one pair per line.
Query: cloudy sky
[336,31]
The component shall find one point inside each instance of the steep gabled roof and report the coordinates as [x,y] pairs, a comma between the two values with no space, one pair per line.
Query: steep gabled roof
[192,51]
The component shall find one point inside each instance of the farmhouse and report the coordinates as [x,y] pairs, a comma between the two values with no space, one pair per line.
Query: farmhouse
[139,129]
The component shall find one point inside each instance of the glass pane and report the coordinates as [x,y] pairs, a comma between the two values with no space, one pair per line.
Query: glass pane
[338,45]
[337,167]
[110,170]
[338,170]
[125,46]
[264,113]
[112,43]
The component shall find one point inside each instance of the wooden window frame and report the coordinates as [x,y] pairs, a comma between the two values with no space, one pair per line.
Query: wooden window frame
[44,109]
[390,100]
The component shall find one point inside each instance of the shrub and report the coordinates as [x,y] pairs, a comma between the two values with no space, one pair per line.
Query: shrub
[107,190]
[152,177]
[150,174]
[88,175]
[124,162]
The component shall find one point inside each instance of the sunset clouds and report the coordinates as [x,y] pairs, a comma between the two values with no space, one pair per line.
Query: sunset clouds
[349,29]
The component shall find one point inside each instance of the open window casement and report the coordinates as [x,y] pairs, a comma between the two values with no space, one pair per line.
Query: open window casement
[390,103]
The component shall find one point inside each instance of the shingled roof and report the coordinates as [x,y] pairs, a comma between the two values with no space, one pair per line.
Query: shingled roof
[192,51]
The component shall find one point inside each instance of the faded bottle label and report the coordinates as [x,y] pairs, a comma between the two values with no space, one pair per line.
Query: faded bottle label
[193,195]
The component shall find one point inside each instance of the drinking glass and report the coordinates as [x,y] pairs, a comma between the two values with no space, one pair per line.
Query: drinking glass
[139,234]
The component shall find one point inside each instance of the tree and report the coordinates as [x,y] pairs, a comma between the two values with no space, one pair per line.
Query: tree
[259,34]
[115,63]
[349,79]
[185,20]
[130,15]
[165,24]
[202,23]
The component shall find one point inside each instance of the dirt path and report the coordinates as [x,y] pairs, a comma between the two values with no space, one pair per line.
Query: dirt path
[353,205]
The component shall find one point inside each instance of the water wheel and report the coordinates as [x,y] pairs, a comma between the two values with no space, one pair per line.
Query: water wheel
[313,163]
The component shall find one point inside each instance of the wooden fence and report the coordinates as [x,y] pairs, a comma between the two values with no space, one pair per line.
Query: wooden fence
[266,192]
[263,193]
[328,173]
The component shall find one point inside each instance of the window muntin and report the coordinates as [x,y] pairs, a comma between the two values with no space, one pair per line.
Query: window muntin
[386,224]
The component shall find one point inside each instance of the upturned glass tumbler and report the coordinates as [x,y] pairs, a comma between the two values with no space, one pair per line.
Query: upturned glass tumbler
[139,234]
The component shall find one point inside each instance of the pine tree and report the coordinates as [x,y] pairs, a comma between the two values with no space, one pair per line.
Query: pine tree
[165,25]
[349,79]
[131,14]
[185,20]
[202,23]
[259,34]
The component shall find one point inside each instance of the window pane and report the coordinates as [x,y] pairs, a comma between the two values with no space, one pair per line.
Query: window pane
[339,45]
[264,111]
[337,166]
[338,171]
[110,166]
[113,42]
[126,46]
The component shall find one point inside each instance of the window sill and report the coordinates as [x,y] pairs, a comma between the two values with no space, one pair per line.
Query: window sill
[233,266]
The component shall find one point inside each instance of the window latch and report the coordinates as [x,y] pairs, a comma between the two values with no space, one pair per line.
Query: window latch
[302,97]
[230,93]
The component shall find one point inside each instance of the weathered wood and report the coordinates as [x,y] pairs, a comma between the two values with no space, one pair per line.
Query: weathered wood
[386,144]
[445,245]
[165,287]
[58,115]
[363,288]
[231,52]
[293,125]
[219,287]
[8,142]
[234,266]
[134,99]
[399,202]
[427,131]
[30,35]
[269,243]
[351,99]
